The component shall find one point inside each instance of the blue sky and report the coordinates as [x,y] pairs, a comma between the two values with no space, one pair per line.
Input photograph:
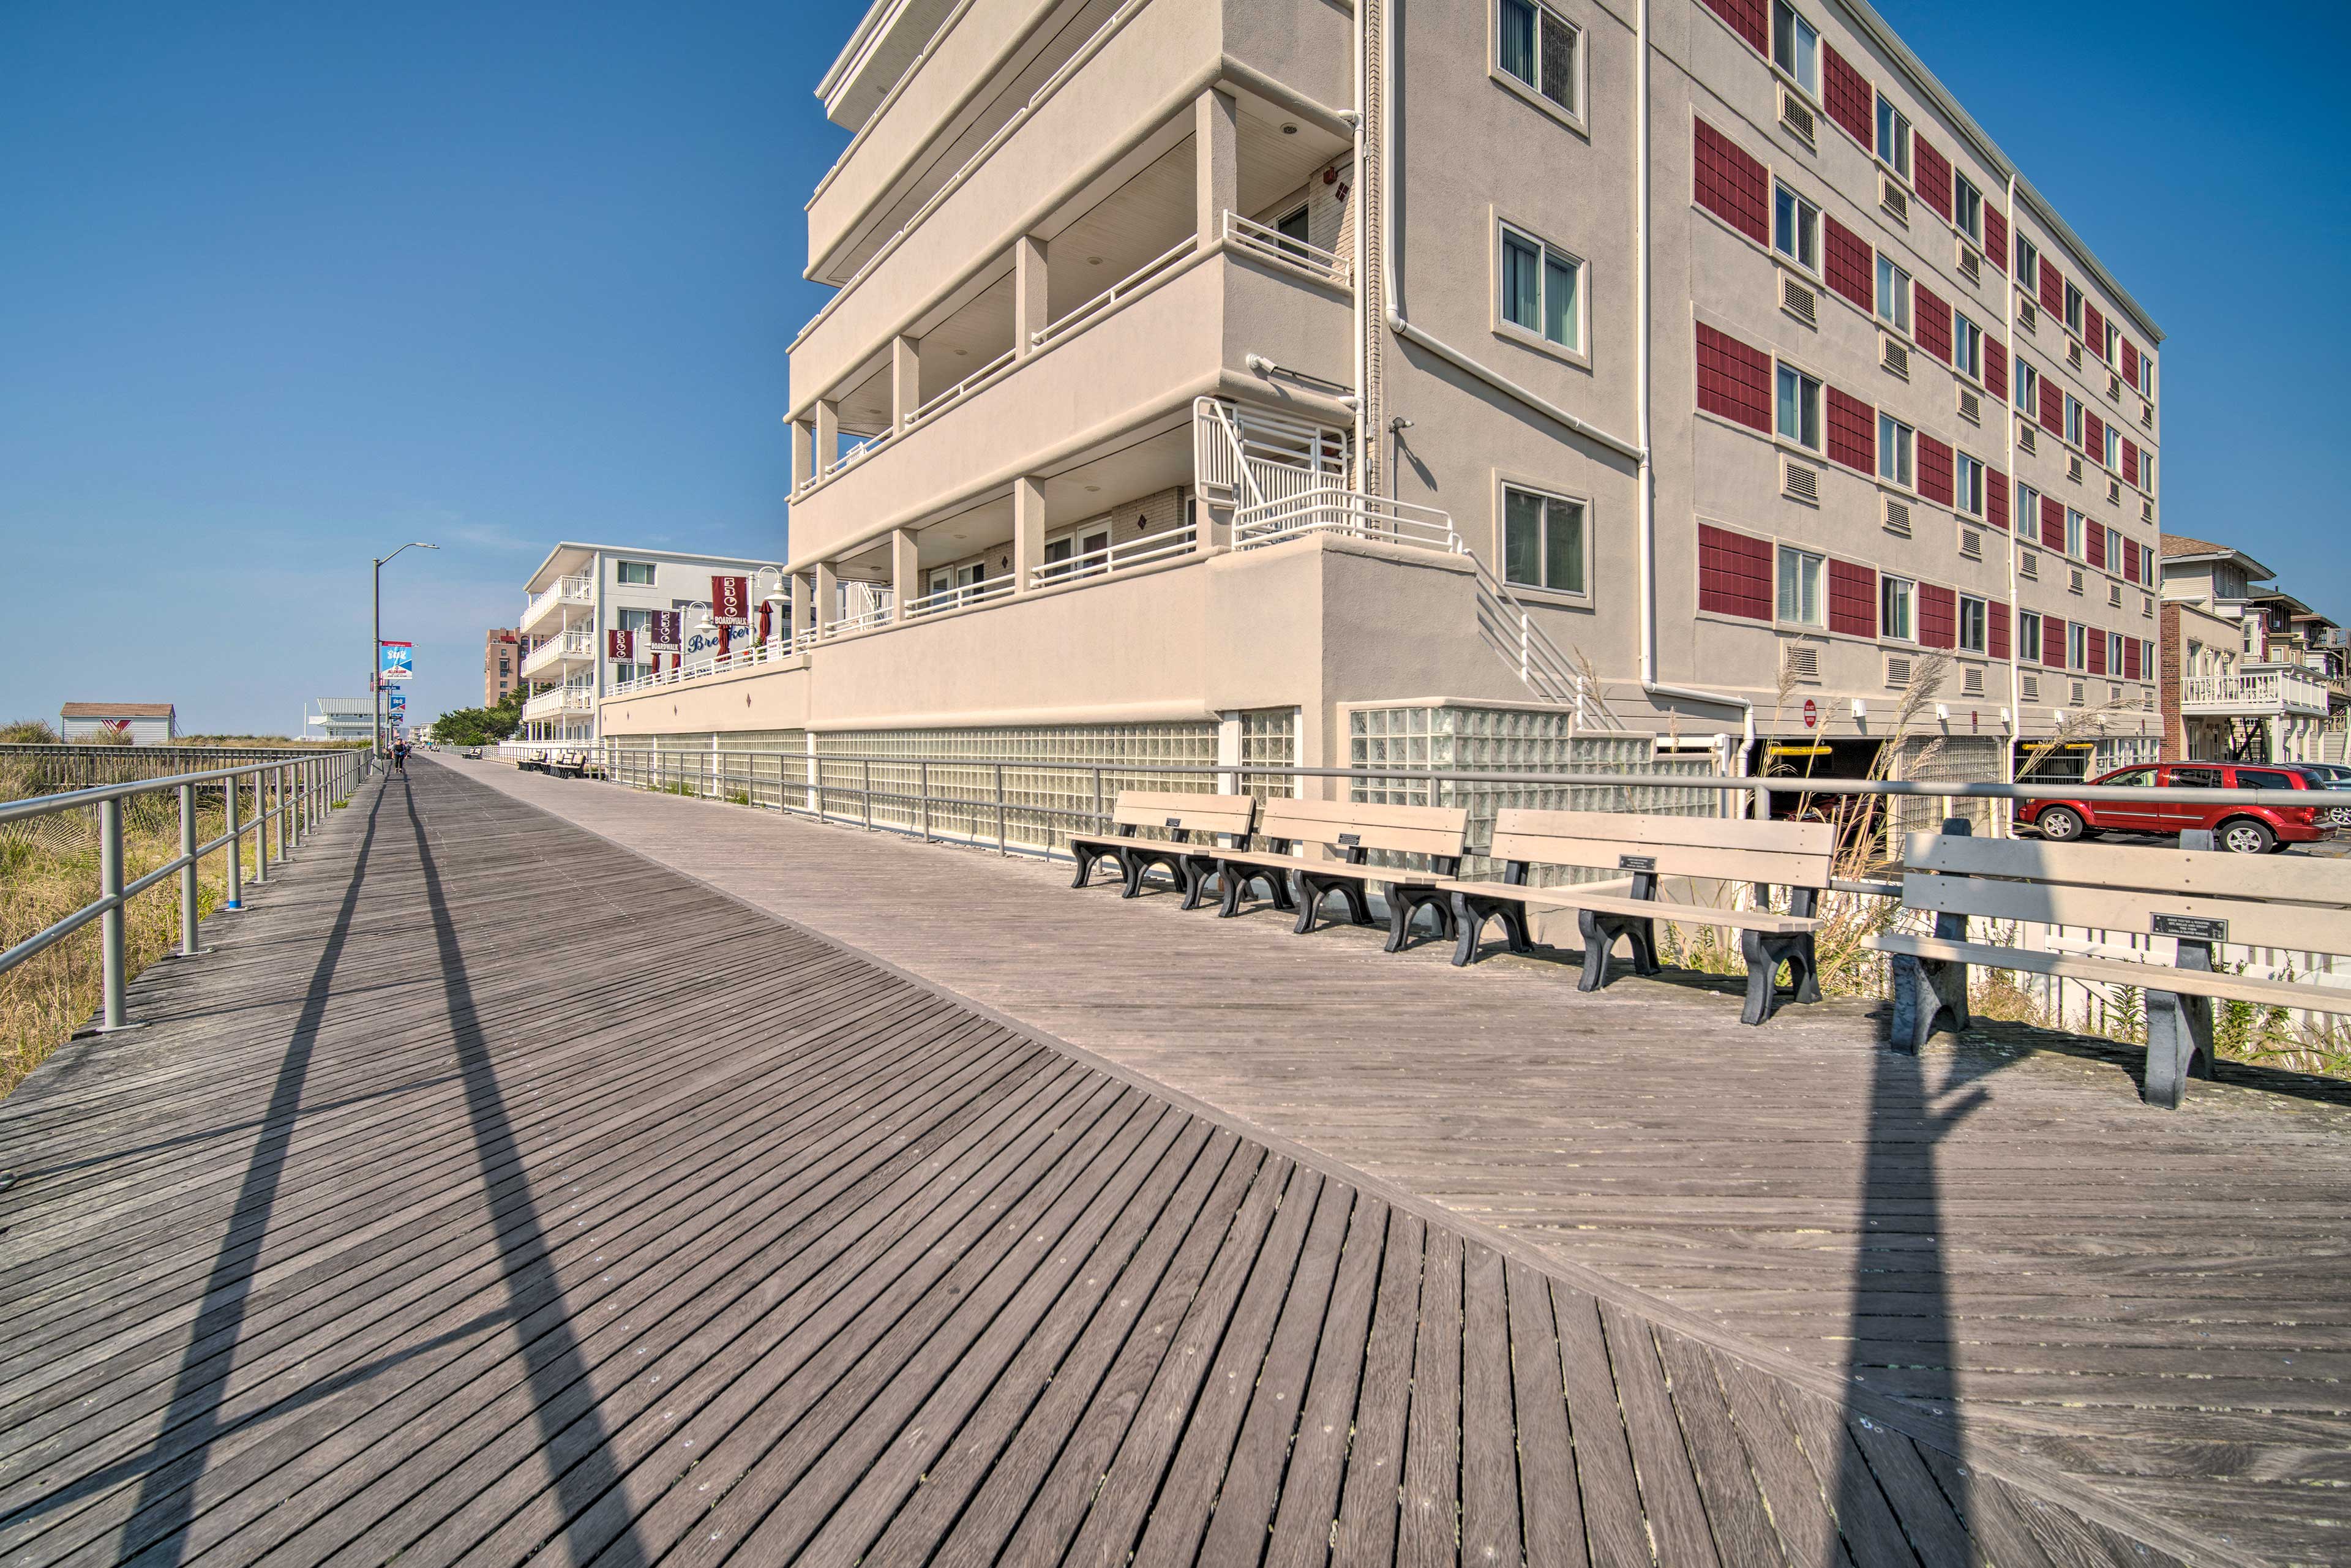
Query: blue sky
[286,284]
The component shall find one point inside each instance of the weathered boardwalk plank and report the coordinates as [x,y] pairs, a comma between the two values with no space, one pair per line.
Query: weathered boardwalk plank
[492,1194]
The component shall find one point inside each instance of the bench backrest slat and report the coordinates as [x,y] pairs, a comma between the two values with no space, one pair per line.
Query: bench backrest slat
[1409,830]
[1190,811]
[1788,854]
[2305,878]
[2260,923]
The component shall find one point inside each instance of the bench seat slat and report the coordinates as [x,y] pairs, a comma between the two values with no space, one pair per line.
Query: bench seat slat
[1765,866]
[2119,972]
[1694,832]
[1583,896]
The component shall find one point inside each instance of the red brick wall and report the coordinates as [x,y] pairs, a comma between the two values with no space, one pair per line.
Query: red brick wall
[1734,573]
[2130,461]
[1851,103]
[2131,646]
[2096,641]
[2130,562]
[2175,733]
[1995,237]
[1996,368]
[1853,598]
[2094,436]
[1852,269]
[1996,617]
[1853,431]
[1996,501]
[1734,380]
[2052,290]
[1932,173]
[2052,641]
[1934,469]
[1746,19]
[2130,362]
[1931,314]
[1729,183]
[2053,522]
[2094,329]
[2095,542]
[1938,616]
[2052,408]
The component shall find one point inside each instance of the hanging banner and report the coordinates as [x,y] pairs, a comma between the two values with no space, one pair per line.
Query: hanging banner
[399,660]
[730,598]
[619,644]
[663,628]
[396,702]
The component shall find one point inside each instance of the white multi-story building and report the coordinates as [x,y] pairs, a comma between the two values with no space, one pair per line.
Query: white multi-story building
[337,718]
[582,591]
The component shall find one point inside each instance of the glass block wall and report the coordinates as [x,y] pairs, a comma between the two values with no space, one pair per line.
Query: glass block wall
[1943,759]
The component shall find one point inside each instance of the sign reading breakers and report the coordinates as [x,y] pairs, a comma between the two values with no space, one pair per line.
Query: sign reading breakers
[398,659]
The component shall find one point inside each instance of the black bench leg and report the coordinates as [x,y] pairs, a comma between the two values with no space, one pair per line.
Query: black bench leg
[1194,878]
[1135,866]
[1404,905]
[1086,861]
[1764,955]
[1928,993]
[1230,904]
[1309,899]
[1359,903]
[2178,1045]
[1469,917]
[1600,933]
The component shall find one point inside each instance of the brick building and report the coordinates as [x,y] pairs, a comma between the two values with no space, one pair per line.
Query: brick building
[501,666]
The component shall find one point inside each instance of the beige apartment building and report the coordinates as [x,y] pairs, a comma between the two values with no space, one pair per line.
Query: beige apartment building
[501,665]
[1476,382]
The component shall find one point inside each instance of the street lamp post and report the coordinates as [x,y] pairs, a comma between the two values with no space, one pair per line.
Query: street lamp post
[375,648]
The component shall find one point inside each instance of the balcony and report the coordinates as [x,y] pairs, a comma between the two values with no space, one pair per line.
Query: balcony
[2254,693]
[575,646]
[558,700]
[567,593]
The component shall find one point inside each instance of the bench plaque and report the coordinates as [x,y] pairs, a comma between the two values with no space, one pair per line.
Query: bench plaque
[1636,863]
[1175,822]
[1351,839]
[2193,927]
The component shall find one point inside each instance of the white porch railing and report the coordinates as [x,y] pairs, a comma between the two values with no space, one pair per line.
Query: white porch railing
[578,643]
[560,700]
[1116,294]
[979,592]
[566,590]
[877,616]
[1115,558]
[1271,244]
[1331,509]
[937,402]
[2253,692]
[740,659]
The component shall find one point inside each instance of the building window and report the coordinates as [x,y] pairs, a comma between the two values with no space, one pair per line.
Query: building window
[1966,207]
[2145,376]
[1894,440]
[636,574]
[2112,345]
[2113,653]
[1895,596]
[1972,625]
[2147,472]
[1892,295]
[1542,540]
[2028,635]
[1800,599]
[2072,420]
[1893,138]
[2028,510]
[1796,228]
[2075,523]
[624,671]
[1967,347]
[636,619]
[2077,646]
[1967,484]
[1538,47]
[2028,264]
[1796,47]
[2028,387]
[2074,308]
[1800,408]
[1540,290]
[2114,449]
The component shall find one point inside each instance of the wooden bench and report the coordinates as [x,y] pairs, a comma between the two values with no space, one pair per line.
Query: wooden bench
[2198,897]
[1796,855]
[1337,838]
[1181,814]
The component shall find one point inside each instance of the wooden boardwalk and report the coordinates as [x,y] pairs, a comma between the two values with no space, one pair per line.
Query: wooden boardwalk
[492,1193]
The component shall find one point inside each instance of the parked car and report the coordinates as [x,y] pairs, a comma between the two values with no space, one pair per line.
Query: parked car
[2247,830]
[2330,776]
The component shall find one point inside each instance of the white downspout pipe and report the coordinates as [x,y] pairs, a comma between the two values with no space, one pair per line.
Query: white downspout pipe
[2016,525]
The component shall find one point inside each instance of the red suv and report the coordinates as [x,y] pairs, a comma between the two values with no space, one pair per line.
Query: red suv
[2242,829]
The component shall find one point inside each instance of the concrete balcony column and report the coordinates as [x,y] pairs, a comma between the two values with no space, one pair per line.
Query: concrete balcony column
[1028,299]
[828,595]
[905,572]
[828,435]
[803,454]
[1217,162]
[1028,531]
[905,379]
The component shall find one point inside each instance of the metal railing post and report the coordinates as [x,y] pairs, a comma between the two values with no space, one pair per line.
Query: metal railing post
[1000,848]
[869,794]
[236,899]
[923,788]
[260,832]
[188,915]
[277,807]
[109,886]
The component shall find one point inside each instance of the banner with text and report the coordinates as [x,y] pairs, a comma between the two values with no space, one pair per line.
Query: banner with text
[663,628]
[399,660]
[619,644]
[730,598]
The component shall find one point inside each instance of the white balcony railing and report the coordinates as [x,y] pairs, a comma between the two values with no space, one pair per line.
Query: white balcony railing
[743,659]
[877,616]
[1113,557]
[1117,294]
[572,646]
[1271,244]
[969,593]
[560,700]
[565,591]
[1329,509]
[2254,692]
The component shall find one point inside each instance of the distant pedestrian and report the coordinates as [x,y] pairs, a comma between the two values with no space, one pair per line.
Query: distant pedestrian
[399,756]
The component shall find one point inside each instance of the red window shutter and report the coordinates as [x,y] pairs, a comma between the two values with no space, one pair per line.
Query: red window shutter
[1730,185]
[2130,460]
[1851,267]
[1996,369]
[2094,329]
[2130,659]
[1996,497]
[1851,102]
[2130,362]
[1933,172]
[1995,237]
[1734,380]
[1934,469]
[1931,315]
[1853,431]
[1746,19]
[2053,407]
[1853,598]
[1734,573]
[2052,290]
[2130,562]
[2052,641]
[2094,436]
[2053,524]
[2097,641]
[1997,618]
[2097,538]
[1938,616]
